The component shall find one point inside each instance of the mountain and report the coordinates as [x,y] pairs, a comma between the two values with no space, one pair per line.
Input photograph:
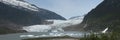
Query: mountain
[25,13]
[18,13]
[106,14]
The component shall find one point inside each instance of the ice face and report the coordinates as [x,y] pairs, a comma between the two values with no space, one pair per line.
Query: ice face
[37,28]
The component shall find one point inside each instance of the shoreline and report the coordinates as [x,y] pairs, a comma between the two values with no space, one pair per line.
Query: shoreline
[53,38]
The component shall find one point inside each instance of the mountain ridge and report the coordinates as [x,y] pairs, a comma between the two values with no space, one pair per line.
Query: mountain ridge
[106,14]
[18,17]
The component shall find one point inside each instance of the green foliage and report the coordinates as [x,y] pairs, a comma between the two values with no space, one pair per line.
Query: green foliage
[6,31]
[107,36]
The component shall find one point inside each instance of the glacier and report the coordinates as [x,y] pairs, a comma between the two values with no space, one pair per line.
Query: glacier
[57,25]
[37,28]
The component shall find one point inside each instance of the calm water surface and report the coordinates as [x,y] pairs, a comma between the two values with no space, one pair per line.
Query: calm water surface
[19,36]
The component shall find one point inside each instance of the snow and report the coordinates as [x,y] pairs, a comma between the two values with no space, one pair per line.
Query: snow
[20,4]
[104,31]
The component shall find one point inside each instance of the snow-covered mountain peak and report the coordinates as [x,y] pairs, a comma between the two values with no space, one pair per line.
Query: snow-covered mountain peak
[20,4]
[76,18]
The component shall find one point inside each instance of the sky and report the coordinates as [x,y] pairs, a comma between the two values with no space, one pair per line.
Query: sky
[67,8]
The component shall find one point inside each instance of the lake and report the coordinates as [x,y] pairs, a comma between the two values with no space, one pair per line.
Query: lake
[19,36]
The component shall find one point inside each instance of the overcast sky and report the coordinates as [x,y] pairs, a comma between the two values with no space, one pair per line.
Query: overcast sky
[67,8]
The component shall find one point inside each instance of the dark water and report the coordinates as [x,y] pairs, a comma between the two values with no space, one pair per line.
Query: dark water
[39,34]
